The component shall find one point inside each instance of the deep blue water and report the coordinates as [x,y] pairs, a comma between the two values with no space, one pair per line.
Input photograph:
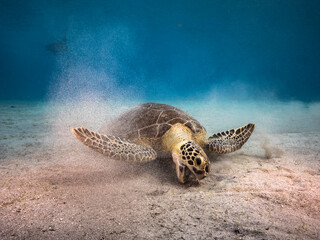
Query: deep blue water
[161,49]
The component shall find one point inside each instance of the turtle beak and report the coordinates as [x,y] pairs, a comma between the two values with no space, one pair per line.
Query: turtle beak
[182,170]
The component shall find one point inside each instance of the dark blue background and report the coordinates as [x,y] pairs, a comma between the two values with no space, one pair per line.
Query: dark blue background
[169,49]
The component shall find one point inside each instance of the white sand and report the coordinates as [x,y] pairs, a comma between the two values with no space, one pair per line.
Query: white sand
[52,187]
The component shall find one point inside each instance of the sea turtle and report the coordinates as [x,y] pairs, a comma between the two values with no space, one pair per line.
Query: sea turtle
[152,130]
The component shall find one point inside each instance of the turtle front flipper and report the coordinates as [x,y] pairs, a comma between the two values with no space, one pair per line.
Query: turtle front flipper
[114,147]
[229,141]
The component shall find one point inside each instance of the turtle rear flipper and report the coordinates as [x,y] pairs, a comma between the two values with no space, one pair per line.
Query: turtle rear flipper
[229,141]
[114,147]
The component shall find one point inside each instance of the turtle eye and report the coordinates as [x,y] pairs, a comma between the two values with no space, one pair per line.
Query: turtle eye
[198,160]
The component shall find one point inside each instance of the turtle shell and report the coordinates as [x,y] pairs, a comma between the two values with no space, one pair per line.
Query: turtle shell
[149,120]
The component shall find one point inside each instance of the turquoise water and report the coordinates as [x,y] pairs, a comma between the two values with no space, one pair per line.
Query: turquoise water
[161,50]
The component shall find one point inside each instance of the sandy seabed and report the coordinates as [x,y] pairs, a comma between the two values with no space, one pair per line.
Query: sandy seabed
[270,189]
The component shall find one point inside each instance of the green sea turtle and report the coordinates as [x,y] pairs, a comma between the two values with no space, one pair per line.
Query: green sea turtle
[152,130]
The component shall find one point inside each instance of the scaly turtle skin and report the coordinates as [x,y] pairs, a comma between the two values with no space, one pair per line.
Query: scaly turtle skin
[152,130]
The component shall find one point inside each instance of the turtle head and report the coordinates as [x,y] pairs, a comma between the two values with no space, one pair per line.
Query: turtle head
[189,157]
